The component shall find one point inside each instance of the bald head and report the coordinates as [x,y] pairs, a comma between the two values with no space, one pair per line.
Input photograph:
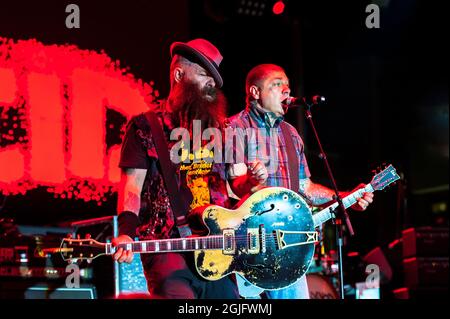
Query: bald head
[257,75]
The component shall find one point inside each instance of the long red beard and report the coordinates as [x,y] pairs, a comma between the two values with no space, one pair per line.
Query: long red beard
[190,103]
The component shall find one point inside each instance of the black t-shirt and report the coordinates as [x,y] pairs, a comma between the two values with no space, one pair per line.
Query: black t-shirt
[206,181]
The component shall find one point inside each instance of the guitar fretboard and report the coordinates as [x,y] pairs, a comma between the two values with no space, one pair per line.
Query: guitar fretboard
[326,214]
[177,244]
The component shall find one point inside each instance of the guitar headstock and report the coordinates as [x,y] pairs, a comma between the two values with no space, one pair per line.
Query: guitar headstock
[81,249]
[384,178]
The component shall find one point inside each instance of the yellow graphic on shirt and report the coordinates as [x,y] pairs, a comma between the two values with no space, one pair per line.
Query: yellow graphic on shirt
[197,175]
[200,192]
[200,154]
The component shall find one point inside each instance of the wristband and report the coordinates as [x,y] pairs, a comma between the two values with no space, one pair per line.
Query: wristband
[128,222]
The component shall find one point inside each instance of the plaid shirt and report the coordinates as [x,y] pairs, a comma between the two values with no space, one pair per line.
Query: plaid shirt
[274,141]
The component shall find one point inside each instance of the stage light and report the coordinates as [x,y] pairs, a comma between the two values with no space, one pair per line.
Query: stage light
[278,7]
[251,7]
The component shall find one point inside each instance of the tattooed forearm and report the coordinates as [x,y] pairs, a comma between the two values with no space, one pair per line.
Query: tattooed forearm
[132,202]
[130,189]
[315,193]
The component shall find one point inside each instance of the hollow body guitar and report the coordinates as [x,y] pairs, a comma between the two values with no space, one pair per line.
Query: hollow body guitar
[269,239]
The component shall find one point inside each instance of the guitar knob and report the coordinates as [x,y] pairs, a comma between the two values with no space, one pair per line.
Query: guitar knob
[69,235]
[88,236]
[78,236]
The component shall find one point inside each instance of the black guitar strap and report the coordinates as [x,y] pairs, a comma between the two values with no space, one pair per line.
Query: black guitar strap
[292,158]
[168,171]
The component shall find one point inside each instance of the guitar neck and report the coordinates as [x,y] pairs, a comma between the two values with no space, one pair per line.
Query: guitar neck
[171,245]
[326,213]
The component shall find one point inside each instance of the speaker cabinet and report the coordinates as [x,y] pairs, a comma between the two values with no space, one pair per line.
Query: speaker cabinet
[41,290]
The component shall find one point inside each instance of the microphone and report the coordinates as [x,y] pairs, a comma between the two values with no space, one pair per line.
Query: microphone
[292,101]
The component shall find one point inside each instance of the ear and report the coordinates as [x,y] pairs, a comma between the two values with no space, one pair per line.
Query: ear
[178,74]
[254,92]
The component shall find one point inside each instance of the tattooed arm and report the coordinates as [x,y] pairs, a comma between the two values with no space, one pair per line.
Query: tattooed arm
[131,183]
[129,200]
[317,194]
[320,195]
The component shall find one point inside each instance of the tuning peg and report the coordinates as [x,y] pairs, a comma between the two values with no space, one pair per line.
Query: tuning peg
[88,236]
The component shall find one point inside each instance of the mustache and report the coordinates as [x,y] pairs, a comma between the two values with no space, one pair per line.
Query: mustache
[207,104]
[211,91]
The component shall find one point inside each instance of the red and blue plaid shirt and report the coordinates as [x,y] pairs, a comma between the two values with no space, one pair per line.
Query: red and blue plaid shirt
[266,122]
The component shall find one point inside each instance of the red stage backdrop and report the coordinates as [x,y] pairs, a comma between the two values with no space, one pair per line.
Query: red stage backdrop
[57,109]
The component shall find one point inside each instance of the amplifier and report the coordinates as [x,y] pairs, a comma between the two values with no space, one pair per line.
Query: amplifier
[40,290]
[426,272]
[425,241]
[6,255]
[32,272]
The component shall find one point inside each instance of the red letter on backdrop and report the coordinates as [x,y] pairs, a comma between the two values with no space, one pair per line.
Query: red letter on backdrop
[11,159]
[92,92]
[46,128]
[56,135]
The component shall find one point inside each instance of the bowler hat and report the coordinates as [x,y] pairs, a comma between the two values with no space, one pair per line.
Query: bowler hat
[202,52]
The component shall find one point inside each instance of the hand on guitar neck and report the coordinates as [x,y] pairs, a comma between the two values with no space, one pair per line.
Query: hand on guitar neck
[122,255]
[363,202]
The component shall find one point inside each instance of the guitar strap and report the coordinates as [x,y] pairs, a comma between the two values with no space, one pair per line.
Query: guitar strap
[178,202]
[292,157]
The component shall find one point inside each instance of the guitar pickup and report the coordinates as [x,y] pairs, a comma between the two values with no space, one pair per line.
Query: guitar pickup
[229,242]
[253,244]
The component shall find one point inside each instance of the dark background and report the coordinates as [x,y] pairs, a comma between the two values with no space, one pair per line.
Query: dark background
[386,89]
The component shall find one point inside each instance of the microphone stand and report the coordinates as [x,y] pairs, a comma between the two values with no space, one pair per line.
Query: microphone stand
[339,213]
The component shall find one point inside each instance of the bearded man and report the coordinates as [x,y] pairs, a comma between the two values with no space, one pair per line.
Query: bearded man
[144,205]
